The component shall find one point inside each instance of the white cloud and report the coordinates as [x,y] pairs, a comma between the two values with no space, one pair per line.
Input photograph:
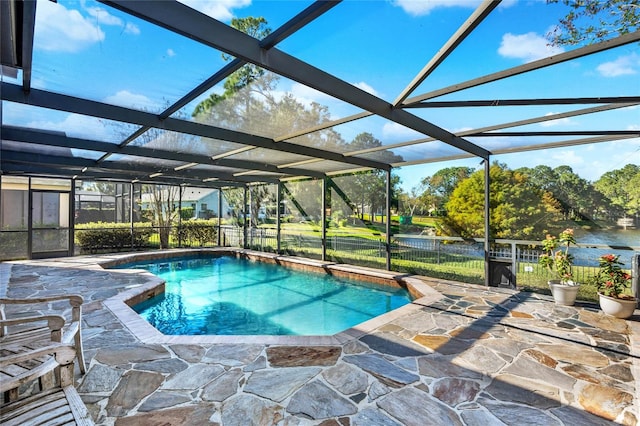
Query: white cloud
[62,30]
[461,130]
[131,28]
[558,122]
[507,3]
[219,9]
[633,127]
[76,125]
[568,157]
[529,47]
[171,53]
[492,142]
[624,65]
[130,100]
[424,7]
[364,86]
[395,131]
[103,17]
[306,95]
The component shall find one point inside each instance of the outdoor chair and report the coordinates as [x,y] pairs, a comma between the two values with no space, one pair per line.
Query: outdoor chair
[24,333]
[58,404]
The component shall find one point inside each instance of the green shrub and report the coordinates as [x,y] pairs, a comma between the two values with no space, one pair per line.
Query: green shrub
[14,245]
[197,232]
[186,213]
[101,235]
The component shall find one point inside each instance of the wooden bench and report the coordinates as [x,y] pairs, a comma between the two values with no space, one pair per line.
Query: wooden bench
[33,331]
[59,404]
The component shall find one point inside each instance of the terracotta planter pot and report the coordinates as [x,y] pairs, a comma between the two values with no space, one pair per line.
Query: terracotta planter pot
[619,308]
[563,294]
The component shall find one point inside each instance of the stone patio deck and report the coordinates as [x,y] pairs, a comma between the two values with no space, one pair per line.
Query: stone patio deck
[472,356]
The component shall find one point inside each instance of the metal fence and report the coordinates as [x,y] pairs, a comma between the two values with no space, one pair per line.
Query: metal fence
[297,244]
[518,256]
[448,257]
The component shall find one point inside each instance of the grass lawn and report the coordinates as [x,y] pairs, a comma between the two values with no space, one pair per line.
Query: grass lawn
[357,227]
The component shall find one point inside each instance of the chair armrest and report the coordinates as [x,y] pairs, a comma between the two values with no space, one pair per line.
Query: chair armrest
[74,300]
[63,354]
[70,332]
[54,322]
[41,361]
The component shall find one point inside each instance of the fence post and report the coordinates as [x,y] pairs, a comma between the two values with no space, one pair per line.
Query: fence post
[438,252]
[244,219]
[635,274]
[131,221]
[514,262]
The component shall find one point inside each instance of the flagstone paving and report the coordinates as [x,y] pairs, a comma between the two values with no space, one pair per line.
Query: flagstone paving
[474,356]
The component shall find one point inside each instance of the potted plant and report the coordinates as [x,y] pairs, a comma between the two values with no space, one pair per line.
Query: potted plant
[614,287]
[557,259]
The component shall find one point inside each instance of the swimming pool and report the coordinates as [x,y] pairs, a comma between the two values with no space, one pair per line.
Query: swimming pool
[236,296]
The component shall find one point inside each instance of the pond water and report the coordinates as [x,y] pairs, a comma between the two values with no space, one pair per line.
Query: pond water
[616,237]
[621,242]
[616,241]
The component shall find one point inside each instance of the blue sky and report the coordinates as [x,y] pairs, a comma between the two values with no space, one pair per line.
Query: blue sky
[84,48]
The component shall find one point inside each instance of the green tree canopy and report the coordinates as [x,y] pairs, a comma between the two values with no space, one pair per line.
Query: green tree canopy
[572,196]
[621,188]
[409,202]
[246,75]
[437,189]
[589,21]
[251,103]
[517,207]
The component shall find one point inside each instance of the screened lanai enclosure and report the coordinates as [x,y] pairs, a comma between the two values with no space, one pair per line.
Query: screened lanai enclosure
[440,138]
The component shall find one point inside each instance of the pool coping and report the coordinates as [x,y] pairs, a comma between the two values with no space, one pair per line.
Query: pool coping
[422,293]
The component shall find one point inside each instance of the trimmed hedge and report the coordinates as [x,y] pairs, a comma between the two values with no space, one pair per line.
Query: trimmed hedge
[14,245]
[197,232]
[102,235]
[186,213]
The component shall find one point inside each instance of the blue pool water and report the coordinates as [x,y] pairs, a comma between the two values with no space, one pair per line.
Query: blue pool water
[230,296]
